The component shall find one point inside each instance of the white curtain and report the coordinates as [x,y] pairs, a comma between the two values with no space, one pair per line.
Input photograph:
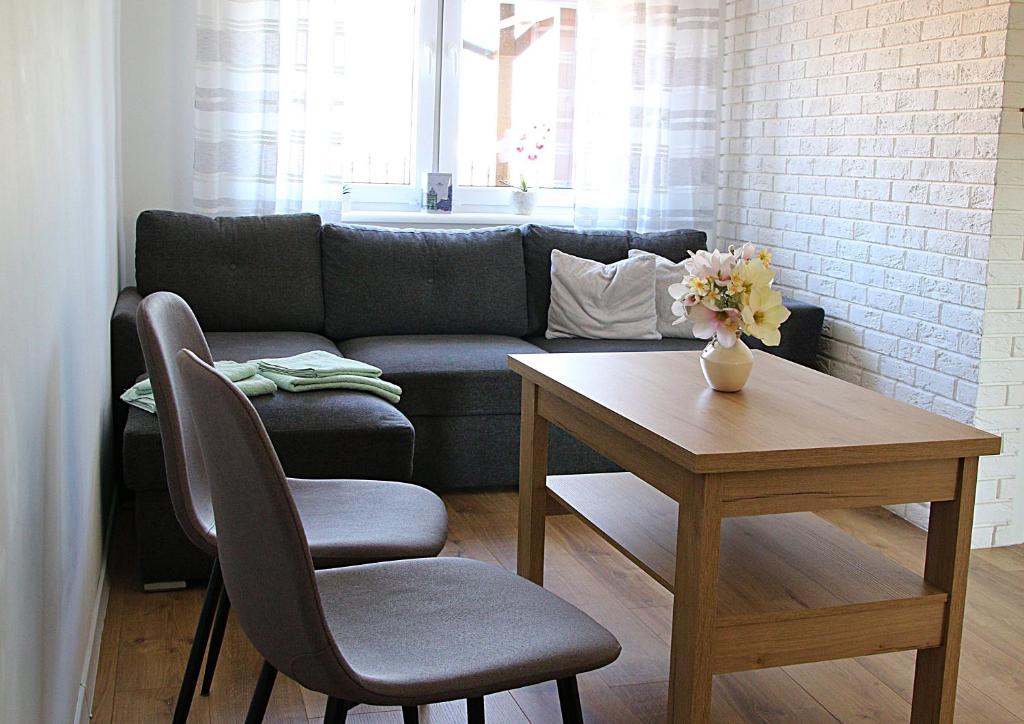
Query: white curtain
[238,54]
[646,114]
[644,111]
[286,100]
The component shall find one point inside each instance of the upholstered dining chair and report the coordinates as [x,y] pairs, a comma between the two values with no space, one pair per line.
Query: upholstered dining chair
[348,521]
[402,633]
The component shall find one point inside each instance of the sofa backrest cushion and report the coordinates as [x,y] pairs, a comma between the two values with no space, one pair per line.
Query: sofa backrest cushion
[238,274]
[604,245]
[394,281]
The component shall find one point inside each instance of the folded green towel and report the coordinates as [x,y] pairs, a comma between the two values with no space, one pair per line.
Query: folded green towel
[316,364]
[243,374]
[256,385]
[142,400]
[374,385]
[234,371]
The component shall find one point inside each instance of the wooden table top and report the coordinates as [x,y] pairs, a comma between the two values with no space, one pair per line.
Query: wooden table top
[788,416]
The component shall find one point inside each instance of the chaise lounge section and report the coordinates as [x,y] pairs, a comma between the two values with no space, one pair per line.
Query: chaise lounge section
[437,311]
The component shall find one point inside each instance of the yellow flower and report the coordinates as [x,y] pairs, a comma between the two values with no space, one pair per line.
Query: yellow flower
[765,256]
[754,274]
[763,315]
[699,284]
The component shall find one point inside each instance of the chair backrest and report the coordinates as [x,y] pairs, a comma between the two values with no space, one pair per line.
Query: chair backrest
[261,543]
[166,325]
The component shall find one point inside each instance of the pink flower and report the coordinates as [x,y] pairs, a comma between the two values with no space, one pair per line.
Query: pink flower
[708,323]
[713,264]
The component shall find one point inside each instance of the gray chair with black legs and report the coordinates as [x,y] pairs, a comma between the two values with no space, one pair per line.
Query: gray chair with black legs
[349,522]
[399,633]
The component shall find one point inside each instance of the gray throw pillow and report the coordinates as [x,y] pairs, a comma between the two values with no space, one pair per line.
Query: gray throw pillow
[602,301]
[666,274]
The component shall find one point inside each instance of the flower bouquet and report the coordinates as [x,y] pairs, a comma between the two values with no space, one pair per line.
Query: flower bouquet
[723,295]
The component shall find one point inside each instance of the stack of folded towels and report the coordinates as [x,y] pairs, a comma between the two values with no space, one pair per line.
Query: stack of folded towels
[318,370]
[245,375]
[304,372]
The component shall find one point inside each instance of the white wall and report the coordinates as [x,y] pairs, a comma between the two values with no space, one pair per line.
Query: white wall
[860,142]
[157,86]
[1001,376]
[57,284]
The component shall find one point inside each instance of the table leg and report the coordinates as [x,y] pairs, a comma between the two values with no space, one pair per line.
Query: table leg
[533,478]
[946,564]
[694,607]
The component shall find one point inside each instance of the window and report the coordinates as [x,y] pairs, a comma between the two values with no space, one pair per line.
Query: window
[478,88]
[515,86]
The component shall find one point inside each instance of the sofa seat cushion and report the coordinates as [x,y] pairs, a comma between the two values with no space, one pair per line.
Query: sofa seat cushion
[323,434]
[669,344]
[250,273]
[245,346]
[446,374]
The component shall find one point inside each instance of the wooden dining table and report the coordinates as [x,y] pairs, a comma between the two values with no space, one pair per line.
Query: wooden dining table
[716,504]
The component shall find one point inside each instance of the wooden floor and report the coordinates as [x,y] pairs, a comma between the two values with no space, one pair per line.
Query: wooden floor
[147,636]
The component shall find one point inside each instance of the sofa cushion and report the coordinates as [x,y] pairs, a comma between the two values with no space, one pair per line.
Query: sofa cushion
[245,346]
[603,245]
[674,245]
[392,281]
[446,374]
[592,300]
[324,434]
[669,344]
[247,273]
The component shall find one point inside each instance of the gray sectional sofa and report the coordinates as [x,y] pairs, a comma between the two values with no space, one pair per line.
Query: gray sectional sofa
[437,311]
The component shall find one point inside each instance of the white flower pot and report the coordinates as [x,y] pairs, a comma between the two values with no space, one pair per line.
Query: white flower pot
[524,201]
[726,368]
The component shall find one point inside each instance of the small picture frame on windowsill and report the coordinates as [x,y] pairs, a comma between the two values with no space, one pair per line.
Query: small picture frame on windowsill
[437,193]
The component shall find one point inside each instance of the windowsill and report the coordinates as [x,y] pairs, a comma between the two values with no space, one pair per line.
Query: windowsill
[456,218]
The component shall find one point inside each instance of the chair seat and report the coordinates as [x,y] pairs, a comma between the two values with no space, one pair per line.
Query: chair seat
[419,631]
[350,522]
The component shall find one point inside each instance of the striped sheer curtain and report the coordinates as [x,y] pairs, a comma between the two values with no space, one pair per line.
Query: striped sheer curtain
[292,102]
[276,120]
[238,58]
[646,114]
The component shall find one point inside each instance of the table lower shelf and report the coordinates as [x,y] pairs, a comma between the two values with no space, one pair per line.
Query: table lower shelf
[792,587]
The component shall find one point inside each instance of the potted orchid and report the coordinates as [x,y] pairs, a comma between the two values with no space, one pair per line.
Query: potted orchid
[523,152]
[725,295]
[346,198]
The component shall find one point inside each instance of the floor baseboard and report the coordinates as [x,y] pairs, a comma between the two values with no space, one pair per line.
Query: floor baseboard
[90,666]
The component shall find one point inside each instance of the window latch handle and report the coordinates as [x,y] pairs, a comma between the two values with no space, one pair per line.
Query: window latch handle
[452,61]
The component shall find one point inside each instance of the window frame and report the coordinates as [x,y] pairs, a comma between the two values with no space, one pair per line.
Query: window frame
[435,141]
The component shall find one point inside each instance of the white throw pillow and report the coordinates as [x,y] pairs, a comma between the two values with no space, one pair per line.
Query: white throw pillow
[602,301]
[666,273]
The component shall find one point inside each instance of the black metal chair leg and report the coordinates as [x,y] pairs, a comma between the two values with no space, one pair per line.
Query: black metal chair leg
[410,715]
[261,694]
[475,710]
[569,701]
[195,657]
[220,622]
[337,711]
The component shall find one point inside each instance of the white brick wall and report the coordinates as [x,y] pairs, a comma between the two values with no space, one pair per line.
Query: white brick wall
[860,141]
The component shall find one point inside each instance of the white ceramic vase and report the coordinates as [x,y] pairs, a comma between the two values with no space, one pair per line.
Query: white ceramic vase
[726,368]
[524,201]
